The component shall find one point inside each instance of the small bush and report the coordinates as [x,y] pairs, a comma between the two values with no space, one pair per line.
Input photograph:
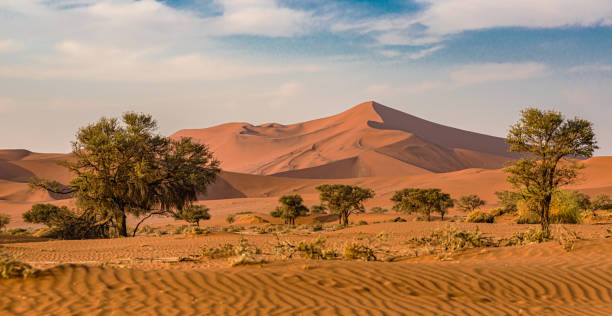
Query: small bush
[480,217]
[230,218]
[355,251]
[362,222]
[4,220]
[317,227]
[398,220]
[67,224]
[526,215]
[232,229]
[193,214]
[10,268]
[532,235]
[450,240]
[243,248]
[498,211]
[244,213]
[566,207]
[312,249]
[318,209]
[378,210]
[568,239]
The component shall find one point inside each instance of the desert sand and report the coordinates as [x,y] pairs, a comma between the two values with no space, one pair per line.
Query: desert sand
[369,145]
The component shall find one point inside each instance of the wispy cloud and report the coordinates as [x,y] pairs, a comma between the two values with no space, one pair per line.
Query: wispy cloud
[481,73]
[591,68]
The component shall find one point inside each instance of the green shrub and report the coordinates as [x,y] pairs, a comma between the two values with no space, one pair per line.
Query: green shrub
[532,235]
[362,222]
[566,207]
[378,210]
[230,218]
[10,268]
[4,220]
[498,211]
[229,250]
[68,224]
[526,214]
[312,249]
[318,209]
[193,214]
[317,227]
[244,213]
[355,251]
[480,217]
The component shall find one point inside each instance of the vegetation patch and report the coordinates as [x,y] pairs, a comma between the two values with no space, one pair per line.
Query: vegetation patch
[10,268]
[480,217]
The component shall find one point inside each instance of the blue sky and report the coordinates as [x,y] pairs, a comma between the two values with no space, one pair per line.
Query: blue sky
[471,64]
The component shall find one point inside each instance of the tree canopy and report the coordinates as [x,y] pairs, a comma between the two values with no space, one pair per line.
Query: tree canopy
[193,214]
[424,201]
[344,200]
[291,207]
[122,167]
[469,203]
[546,137]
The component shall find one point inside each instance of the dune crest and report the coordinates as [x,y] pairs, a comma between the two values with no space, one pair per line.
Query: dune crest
[367,140]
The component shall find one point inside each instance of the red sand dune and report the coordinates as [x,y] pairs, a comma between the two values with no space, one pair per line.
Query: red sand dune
[367,140]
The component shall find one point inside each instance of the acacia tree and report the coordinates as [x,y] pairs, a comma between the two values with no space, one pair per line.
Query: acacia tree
[424,201]
[469,203]
[291,207]
[344,200]
[547,137]
[122,167]
[193,214]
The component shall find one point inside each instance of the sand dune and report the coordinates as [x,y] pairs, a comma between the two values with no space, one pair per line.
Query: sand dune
[531,280]
[365,141]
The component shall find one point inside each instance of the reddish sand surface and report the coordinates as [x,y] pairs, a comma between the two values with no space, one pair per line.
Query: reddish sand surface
[162,272]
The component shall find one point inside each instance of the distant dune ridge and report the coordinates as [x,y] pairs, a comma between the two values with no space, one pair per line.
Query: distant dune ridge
[368,140]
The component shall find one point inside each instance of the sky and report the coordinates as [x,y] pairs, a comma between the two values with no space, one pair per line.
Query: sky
[470,64]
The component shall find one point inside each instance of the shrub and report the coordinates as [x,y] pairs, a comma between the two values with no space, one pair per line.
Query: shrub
[566,207]
[568,239]
[498,211]
[362,222]
[526,214]
[451,240]
[317,227]
[193,214]
[229,250]
[230,218]
[508,200]
[312,249]
[355,251]
[4,220]
[378,210]
[532,235]
[398,220]
[68,224]
[10,268]
[244,213]
[318,209]
[480,217]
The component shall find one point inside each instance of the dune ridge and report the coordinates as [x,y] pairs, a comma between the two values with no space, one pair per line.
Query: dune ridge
[367,140]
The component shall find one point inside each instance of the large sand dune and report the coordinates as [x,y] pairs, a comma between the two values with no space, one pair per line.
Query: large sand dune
[367,140]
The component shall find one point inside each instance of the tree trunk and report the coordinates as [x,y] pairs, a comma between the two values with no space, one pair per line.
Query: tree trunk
[545,213]
[345,219]
[429,216]
[122,225]
[442,214]
[339,219]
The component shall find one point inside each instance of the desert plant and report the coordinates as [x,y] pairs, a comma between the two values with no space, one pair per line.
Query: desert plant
[344,200]
[532,235]
[566,207]
[508,200]
[10,268]
[547,137]
[424,201]
[318,209]
[355,251]
[231,218]
[64,223]
[4,220]
[243,247]
[601,202]
[378,210]
[193,214]
[121,167]
[469,203]
[450,240]
[291,207]
[317,227]
[362,222]
[568,239]
[480,217]
[311,249]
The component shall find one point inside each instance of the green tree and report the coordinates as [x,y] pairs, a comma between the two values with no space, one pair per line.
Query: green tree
[508,200]
[122,168]
[546,137]
[469,203]
[4,220]
[344,200]
[193,214]
[291,207]
[66,223]
[601,202]
[318,209]
[424,201]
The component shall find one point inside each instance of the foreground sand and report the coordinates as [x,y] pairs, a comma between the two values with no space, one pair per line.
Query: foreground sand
[536,279]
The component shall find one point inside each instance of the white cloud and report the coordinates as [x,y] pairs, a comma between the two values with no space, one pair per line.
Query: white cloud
[9,46]
[78,60]
[481,73]
[425,52]
[442,18]
[591,68]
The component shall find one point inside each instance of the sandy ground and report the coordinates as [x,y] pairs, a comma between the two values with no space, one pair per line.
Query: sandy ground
[138,275]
